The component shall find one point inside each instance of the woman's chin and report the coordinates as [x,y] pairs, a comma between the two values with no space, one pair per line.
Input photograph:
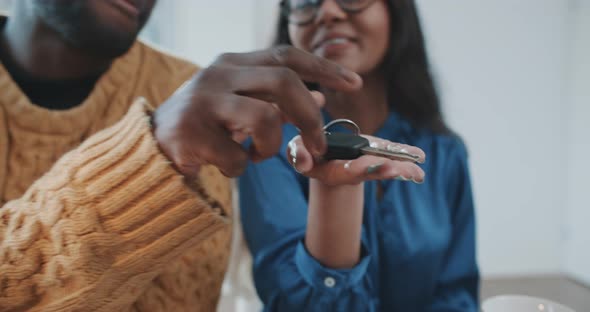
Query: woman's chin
[351,65]
[347,62]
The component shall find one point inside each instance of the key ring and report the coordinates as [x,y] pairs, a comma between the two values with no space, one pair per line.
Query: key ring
[357,130]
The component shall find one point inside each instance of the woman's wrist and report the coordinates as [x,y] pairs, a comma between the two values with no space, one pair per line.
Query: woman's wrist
[334,223]
[335,189]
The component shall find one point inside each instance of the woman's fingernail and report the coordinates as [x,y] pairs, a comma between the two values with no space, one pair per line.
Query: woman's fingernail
[297,170]
[418,182]
[293,154]
[293,149]
[402,178]
[373,168]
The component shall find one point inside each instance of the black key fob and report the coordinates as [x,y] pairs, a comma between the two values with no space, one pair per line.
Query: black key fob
[344,146]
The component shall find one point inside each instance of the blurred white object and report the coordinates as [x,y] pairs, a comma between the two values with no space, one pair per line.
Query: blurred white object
[518,303]
[238,293]
[5,6]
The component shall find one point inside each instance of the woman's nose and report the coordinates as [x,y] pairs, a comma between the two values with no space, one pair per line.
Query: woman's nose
[330,12]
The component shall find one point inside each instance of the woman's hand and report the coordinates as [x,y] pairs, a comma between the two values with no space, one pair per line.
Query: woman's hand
[364,168]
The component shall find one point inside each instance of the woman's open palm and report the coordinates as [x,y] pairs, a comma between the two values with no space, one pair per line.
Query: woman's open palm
[364,168]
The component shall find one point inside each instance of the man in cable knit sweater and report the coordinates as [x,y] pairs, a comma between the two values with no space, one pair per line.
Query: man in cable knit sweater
[106,203]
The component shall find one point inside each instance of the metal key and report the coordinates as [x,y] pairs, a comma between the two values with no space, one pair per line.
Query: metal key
[352,146]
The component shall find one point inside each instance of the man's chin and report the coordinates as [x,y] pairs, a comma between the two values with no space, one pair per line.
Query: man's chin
[106,47]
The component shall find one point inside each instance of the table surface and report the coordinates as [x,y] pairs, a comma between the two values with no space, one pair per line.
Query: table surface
[560,289]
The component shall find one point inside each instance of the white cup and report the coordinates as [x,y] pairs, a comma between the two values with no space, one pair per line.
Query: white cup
[518,303]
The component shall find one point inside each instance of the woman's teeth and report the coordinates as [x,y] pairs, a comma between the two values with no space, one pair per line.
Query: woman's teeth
[336,41]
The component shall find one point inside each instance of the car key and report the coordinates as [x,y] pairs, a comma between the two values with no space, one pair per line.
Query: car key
[348,146]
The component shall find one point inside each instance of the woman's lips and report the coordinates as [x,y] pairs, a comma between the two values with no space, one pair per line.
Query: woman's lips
[333,45]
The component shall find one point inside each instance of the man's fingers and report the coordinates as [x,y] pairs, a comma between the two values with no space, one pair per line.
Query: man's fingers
[195,126]
[309,67]
[319,98]
[215,147]
[258,119]
[282,86]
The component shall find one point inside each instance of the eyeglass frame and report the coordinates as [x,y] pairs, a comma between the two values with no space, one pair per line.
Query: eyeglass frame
[286,11]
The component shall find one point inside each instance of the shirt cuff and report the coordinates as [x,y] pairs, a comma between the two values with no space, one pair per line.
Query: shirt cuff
[332,280]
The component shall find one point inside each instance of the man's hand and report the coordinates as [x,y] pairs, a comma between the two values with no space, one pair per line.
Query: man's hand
[246,94]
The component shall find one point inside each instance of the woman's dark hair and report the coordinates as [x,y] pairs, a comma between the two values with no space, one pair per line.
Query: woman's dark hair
[412,93]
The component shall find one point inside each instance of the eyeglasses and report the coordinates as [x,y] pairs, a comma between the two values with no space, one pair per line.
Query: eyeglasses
[301,12]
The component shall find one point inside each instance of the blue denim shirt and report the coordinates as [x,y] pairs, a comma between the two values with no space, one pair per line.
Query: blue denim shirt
[418,240]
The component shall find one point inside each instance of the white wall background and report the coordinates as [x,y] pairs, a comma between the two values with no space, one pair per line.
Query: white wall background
[500,68]
[577,261]
[5,5]
[200,30]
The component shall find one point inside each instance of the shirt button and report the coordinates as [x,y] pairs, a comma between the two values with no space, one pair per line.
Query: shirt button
[329,282]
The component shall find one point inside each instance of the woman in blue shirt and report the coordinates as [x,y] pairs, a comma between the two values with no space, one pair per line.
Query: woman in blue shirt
[353,235]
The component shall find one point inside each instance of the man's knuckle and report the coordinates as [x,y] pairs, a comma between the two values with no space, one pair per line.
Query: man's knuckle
[310,122]
[225,58]
[208,74]
[272,116]
[237,164]
[284,78]
[282,55]
[267,122]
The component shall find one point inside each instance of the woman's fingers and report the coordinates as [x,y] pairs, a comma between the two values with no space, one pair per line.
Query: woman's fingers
[377,169]
[366,168]
[299,157]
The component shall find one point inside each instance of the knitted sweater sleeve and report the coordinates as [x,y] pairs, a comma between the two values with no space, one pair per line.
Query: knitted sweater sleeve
[99,226]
